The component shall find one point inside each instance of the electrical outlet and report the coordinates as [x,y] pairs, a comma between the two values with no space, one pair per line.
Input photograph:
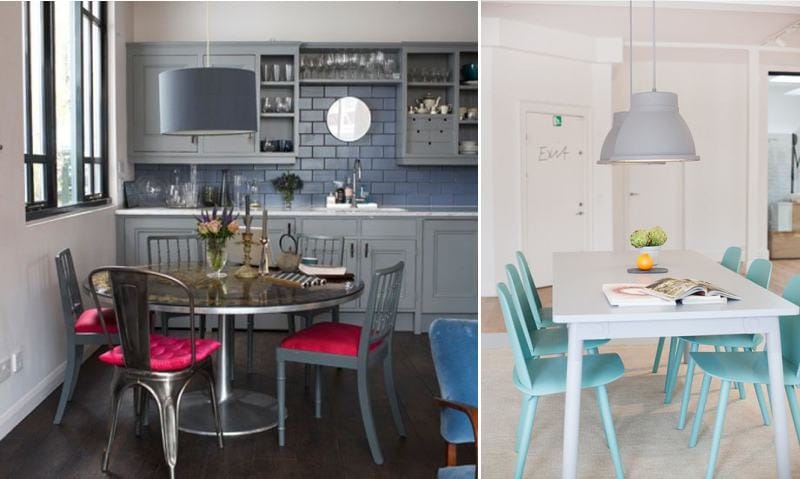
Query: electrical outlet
[5,369]
[16,362]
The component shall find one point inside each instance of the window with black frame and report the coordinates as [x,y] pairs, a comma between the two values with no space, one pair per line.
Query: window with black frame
[65,110]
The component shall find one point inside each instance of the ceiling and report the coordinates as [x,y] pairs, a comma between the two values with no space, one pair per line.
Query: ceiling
[730,22]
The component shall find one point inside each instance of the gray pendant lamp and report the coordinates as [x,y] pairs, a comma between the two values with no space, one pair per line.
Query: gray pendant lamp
[208,100]
[619,116]
[653,131]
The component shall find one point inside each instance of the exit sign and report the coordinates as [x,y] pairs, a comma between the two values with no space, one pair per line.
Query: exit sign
[557,120]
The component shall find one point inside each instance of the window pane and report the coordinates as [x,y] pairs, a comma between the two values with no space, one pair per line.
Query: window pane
[96,8]
[87,90]
[65,104]
[37,78]
[87,179]
[38,182]
[26,182]
[98,178]
[97,55]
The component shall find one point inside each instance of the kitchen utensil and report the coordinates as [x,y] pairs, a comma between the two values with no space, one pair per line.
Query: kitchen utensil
[210,196]
[472,113]
[288,262]
[462,113]
[288,243]
[469,72]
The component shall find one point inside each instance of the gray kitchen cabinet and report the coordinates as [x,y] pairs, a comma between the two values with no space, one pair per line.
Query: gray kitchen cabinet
[144,126]
[351,255]
[132,245]
[382,253]
[450,266]
[245,143]
[277,227]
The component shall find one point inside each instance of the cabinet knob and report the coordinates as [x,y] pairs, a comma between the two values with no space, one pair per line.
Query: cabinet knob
[366,250]
[352,249]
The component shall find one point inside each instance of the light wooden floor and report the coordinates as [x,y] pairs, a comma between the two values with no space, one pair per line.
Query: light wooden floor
[492,317]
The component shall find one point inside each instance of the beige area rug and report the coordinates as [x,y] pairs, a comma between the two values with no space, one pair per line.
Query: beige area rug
[650,444]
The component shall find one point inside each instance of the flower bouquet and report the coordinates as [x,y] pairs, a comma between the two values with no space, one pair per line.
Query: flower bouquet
[286,185]
[215,230]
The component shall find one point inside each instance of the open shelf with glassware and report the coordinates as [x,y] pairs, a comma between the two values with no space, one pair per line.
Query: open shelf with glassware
[340,64]
[277,105]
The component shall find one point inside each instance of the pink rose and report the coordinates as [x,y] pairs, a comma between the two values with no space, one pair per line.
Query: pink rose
[233,227]
[202,228]
[214,226]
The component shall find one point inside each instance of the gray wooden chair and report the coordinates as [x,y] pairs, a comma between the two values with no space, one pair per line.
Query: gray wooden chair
[161,366]
[329,251]
[175,249]
[82,327]
[348,346]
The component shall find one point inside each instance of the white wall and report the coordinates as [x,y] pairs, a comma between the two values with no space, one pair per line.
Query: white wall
[307,21]
[523,63]
[30,310]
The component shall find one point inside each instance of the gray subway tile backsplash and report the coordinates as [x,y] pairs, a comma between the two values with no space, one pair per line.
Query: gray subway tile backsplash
[322,158]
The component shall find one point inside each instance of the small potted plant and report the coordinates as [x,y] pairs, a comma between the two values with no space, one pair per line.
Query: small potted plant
[286,185]
[215,230]
[649,241]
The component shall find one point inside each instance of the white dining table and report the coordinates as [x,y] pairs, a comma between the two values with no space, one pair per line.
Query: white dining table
[578,301]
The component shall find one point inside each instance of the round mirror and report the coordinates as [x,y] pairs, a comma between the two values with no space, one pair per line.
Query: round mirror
[349,118]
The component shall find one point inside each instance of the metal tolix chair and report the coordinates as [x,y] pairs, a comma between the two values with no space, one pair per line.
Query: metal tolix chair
[159,365]
[82,327]
[328,251]
[344,346]
[175,249]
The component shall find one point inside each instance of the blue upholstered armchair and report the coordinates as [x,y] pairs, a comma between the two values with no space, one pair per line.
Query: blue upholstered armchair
[454,346]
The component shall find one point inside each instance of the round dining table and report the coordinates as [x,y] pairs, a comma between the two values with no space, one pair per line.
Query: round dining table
[242,411]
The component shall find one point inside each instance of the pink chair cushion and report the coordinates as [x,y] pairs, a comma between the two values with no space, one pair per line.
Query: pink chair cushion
[167,353]
[330,338]
[89,321]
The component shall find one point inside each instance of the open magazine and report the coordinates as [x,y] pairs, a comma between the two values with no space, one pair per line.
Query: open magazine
[673,289]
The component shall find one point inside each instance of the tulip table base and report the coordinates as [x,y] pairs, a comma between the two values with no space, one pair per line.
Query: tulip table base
[243,412]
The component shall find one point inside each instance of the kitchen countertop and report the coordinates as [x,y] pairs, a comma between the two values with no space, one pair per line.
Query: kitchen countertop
[414,211]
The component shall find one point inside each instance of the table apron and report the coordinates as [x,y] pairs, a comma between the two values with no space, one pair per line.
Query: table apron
[673,327]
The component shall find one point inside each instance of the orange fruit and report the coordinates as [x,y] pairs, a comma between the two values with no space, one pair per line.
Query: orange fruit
[644,262]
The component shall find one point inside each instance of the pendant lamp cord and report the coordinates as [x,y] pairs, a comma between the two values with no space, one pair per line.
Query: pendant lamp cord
[208,41]
[630,47]
[654,45]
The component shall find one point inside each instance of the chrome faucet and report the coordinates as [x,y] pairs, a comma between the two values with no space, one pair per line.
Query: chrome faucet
[356,179]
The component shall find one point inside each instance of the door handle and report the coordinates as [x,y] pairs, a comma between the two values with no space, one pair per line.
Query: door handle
[633,194]
[352,249]
[579,213]
[366,250]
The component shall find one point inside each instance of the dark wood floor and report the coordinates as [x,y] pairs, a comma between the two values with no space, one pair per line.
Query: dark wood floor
[331,447]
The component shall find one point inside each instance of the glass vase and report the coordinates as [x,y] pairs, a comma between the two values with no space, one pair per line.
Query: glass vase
[216,257]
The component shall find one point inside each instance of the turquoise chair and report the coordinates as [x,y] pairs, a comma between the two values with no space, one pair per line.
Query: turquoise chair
[541,341]
[731,259]
[536,377]
[544,319]
[749,367]
[760,272]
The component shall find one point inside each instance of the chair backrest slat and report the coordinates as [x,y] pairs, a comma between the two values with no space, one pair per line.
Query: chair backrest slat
[129,292]
[174,249]
[328,250]
[384,298]
[71,300]
[760,272]
[732,258]
[519,301]
[516,335]
[527,281]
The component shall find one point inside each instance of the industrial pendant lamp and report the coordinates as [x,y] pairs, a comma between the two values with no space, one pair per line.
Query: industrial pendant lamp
[619,116]
[653,131]
[208,100]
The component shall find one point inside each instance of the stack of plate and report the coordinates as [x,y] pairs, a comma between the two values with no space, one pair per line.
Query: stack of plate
[468,147]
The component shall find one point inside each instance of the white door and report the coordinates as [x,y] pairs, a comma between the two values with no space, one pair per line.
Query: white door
[556,213]
[654,197]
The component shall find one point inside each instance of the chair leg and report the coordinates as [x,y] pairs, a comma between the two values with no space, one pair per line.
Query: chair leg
[202,325]
[139,399]
[164,323]
[701,408]
[659,349]
[451,455]
[526,403]
[673,374]
[167,410]
[526,428]
[231,343]
[687,389]
[723,406]
[281,376]
[391,391]
[208,374]
[791,395]
[290,326]
[73,364]
[366,415]
[116,398]
[762,406]
[673,345]
[335,314]
[317,391]
[78,362]
[251,319]
[608,427]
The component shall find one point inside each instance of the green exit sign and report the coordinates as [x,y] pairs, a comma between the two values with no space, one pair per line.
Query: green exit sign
[557,120]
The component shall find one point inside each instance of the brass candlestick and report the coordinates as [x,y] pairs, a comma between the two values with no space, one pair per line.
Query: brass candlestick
[266,257]
[246,270]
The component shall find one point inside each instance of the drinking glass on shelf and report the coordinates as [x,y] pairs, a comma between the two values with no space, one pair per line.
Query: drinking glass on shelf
[289,72]
[266,106]
[276,72]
